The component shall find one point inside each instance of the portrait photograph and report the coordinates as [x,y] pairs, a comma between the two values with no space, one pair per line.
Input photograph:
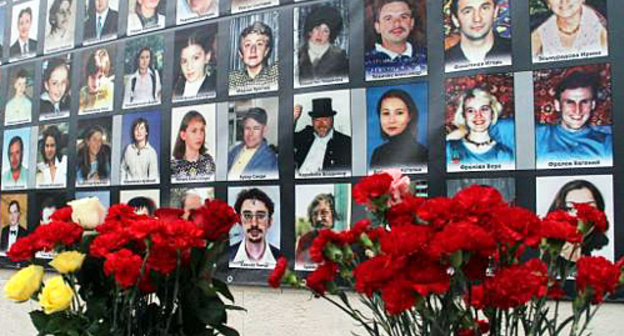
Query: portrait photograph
[395,39]
[103,196]
[100,20]
[573,117]
[24,28]
[322,139]
[321,44]
[19,102]
[97,80]
[55,99]
[14,219]
[194,10]
[397,127]
[566,30]
[93,152]
[140,147]
[318,207]
[15,158]
[195,66]
[46,204]
[237,6]
[506,186]
[255,241]
[143,66]
[253,139]
[479,123]
[474,41]
[145,16]
[3,25]
[562,192]
[52,151]
[60,25]
[193,143]
[144,201]
[189,199]
[254,41]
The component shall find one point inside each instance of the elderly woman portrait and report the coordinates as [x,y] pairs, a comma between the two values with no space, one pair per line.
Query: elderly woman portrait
[319,58]
[197,73]
[191,160]
[93,159]
[52,167]
[398,120]
[146,16]
[572,27]
[61,23]
[55,100]
[98,88]
[477,111]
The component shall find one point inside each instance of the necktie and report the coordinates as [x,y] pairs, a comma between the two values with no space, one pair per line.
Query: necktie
[99,27]
[25,51]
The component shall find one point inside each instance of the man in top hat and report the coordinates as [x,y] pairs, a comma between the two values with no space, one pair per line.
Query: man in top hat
[319,58]
[320,147]
[253,155]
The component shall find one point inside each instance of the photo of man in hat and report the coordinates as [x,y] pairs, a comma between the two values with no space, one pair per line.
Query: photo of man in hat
[254,155]
[320,58]
[319,147]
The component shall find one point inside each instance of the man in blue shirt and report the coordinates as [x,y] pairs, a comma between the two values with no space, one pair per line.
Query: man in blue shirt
[572,139]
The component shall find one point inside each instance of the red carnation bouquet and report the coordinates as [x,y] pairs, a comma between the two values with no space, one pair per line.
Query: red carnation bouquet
[458,266]
[132,275]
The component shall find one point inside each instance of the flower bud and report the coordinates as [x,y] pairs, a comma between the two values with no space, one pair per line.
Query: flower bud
[88,212]
[68,262]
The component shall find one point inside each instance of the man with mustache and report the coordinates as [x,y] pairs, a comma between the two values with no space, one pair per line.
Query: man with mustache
[321,215]
[573,138]
[394,22]
[478,42]
[17,175]
[255,209]
[320,147]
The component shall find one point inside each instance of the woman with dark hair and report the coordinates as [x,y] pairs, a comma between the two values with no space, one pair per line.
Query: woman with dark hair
[319,58]
[191,160]
[139,161]
[143,86]
[143,205]
[93,157]
[197,76]
[53,169]
[55,100]
[398,120]
[61,22]
[580,191]
[146,16]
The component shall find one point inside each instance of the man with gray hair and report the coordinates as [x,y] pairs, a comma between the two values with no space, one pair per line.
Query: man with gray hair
[321,215]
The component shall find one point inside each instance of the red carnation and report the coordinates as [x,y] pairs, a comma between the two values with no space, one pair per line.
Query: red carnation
[63,214]
[24,248]
[478,199]
[599,274]
[121,212]
[427,277]
[372,274]
[514,225]
[168,214]
[352,236]
[179,235]
[405,240]
[439,211]
[317,280]
[590,215]
[278,272]
[125,266]
[317,250]
[142,228]
[58,233]
[465,237]
[163,259]
[405,212]
[559,225]
[372,188]
[106,243]
[216,218]
[398,296]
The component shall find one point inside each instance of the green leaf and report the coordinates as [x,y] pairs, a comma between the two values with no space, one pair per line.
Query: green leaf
[226,331]
[222,288]
[39,319]
[233,307]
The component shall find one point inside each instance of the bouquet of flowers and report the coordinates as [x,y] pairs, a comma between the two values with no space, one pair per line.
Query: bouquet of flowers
[458,266]
[130,275]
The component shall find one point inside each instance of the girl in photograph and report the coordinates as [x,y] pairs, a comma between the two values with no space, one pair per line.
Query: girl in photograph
[146,16]
[191,160]
[476,113]
[53,169]
[398,120]
[573,27]
[580,191]
[144,84]
[55,100]
[197,72]
[139,160]
[98,93]
[19,107]
[93,157]
[61,24]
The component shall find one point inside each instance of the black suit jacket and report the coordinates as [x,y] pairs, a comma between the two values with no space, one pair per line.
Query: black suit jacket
[108,28]
[337,155]
[4,237]
[16,50]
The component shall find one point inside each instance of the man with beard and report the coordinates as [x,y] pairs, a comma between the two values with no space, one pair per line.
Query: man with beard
[320,147]
[478,42]
[321,215]
[255,209]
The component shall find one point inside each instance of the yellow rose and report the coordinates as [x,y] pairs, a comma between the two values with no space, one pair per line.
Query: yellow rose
[24,283]
[68,262]
[56,295]
[88,212]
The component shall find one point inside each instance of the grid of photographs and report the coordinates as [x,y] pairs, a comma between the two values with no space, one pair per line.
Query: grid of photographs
[279,107]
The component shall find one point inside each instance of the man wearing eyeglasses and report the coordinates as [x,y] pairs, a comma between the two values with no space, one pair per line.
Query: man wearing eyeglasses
[12,231]
[321,215]
[255,209]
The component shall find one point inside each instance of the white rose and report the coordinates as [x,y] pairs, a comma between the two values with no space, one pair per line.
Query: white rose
[88,212]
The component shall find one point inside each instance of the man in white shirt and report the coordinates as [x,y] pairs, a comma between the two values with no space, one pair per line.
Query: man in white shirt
[12,231]
[24,46]
[102,21]
[255,209]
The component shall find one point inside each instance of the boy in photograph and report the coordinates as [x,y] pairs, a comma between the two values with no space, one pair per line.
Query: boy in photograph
[24,46]
[19,108]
